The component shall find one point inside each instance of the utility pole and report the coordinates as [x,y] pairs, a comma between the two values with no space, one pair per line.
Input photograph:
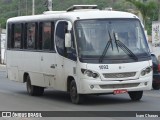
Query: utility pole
[33,7]
[50,5]
[26,8]
[19,7]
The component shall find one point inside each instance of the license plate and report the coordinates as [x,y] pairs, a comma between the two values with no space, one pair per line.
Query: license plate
[119,91]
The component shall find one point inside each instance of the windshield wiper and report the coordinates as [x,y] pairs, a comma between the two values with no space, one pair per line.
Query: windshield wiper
[124,47]
[106,48]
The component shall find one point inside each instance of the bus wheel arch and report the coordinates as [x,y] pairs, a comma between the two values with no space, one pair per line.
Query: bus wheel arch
[69,79]
[31,89]
[25,77]
[75,97]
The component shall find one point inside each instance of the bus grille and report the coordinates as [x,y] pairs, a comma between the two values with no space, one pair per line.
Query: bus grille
[129,85]
[119,75]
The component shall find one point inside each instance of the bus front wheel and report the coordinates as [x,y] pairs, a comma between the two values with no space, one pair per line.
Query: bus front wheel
[75,97]
[135,95]
[33,90]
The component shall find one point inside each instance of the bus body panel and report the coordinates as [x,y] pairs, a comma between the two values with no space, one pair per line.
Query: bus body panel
[26,62]
[136,67]
[48,60]
[39,67]
[108,85]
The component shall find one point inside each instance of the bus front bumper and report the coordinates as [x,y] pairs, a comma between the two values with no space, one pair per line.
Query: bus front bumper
[104,87]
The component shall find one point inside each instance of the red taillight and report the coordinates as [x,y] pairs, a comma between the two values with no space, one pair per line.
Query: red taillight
[158,67]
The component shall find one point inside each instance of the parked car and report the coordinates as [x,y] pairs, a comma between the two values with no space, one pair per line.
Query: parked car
[156,72]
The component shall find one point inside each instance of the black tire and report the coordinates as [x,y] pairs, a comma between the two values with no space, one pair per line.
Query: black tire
[136,95]
[156,87]
[75,97]
[33,90]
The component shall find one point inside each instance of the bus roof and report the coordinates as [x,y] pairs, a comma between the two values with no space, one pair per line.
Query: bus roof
[75,15]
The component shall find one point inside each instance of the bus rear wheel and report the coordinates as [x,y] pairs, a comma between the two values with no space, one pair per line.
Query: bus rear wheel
[33,90]
[75,97]
[136,95]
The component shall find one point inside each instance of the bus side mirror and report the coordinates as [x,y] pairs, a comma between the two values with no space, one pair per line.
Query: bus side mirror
[68,40]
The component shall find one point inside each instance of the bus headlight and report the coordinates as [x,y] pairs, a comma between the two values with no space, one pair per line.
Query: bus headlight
[90,73]
[146,71]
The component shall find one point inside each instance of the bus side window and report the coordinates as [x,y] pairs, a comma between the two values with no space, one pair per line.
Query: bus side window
[39,41]
[17,35]
[46,36]
[60,37]
[52,36]
[9,36]
[31,35]
[71,52]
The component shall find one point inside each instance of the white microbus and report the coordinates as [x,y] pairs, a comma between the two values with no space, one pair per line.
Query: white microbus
[82,51]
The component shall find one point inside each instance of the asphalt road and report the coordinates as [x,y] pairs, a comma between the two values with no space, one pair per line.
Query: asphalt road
[14,97]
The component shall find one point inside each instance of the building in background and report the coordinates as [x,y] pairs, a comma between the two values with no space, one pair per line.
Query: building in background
[156,38]
[3,44]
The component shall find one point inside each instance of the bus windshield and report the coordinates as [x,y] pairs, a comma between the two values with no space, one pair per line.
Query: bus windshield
[94,35]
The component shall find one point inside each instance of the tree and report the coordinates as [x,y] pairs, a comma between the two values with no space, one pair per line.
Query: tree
[148,9]
[158,9]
